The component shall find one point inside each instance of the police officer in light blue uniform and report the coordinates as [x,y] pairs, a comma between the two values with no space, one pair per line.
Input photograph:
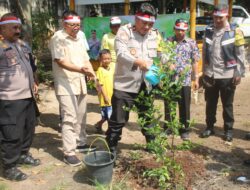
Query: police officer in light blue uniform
[17,108]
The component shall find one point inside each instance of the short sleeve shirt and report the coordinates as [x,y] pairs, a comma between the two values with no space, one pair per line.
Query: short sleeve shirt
[187,53]
[64,47]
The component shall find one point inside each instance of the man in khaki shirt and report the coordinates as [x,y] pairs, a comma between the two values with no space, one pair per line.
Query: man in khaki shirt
[70,66]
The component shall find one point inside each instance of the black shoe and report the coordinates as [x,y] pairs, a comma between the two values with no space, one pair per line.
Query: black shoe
[228,136]
[27,159]
[246,162]
[14,174]
[72,160]
[85,148]
[185,136]
[149,138]
[247,136]
[228,139]
[113,150]
[207,133]
[168,131]
[98,127]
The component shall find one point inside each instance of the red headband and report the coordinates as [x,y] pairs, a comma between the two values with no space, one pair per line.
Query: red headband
[223,12]
[145,17]
[10,19]
[181,26]
[72,19]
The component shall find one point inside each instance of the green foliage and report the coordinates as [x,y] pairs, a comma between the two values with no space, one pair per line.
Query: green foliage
[186,145]
[90,84]
[168,90]
[120,185]
[43,75]
[135,155]
[43,24]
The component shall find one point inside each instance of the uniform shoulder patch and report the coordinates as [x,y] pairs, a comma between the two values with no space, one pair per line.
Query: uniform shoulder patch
[123,33]
[239,37]
[238,31]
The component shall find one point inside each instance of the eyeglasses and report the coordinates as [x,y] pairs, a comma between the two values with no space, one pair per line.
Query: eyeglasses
[73,25]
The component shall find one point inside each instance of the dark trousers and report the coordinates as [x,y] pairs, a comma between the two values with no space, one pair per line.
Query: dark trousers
[17,126]
[225,89]
[184,108]
[120,117]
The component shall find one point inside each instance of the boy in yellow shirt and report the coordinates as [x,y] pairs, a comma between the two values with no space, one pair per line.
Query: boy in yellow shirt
[104,76]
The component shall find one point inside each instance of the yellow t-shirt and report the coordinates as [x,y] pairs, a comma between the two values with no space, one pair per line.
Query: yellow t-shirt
[106,79]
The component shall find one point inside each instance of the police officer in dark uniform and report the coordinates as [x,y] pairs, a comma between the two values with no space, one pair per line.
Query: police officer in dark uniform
[17,118]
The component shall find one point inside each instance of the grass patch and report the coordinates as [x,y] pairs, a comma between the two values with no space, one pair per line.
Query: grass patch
[48,168]
[60,186]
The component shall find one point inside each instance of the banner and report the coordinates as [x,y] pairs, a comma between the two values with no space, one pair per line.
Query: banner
[164,24]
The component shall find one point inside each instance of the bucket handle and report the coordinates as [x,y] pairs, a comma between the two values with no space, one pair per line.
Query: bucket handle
[101,139]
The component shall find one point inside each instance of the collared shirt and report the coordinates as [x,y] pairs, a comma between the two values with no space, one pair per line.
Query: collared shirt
[106,79]
[217,68]
[64,47]
[129,46]
[187,54]
[16,76]
[108,42]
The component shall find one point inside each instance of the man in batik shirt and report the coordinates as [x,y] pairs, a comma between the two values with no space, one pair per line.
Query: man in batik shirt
[187,57]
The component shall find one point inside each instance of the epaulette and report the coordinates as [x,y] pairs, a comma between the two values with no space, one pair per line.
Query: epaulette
[238,31]
[239,37]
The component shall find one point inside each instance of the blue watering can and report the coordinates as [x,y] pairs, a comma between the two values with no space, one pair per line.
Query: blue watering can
[152,75]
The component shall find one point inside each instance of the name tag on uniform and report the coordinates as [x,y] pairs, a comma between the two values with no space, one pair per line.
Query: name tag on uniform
[11,56]
[9,52]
